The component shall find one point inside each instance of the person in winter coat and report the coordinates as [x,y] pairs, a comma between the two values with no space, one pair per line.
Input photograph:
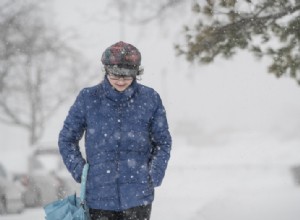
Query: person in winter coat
[127,140]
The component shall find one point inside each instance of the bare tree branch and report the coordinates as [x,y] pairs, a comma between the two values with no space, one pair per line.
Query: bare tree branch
[36,66]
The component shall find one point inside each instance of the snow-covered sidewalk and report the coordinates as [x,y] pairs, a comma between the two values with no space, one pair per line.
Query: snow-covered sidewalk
[247,179]
[256,204]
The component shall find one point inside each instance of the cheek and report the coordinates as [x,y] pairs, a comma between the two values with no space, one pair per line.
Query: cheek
[125,85]
[111,81]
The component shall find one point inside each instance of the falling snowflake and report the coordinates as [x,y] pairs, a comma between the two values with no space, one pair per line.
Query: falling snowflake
[92,131]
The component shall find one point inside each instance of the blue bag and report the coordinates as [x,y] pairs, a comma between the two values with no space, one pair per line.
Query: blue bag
[71,207]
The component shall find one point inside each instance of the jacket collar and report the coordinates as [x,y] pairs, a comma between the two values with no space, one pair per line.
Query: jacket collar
[117,96]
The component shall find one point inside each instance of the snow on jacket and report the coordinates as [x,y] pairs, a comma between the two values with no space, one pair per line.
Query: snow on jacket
[127,144]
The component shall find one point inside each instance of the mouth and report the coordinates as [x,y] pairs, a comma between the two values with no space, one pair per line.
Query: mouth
[120,87]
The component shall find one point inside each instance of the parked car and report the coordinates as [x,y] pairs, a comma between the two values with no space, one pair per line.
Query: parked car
[40,189]
[10,194]
[47,178]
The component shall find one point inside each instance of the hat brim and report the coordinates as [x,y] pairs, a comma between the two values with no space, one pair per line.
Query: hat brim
[120,71]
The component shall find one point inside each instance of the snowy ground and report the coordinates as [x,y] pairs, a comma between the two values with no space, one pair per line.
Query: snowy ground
[248,178]
[237,181]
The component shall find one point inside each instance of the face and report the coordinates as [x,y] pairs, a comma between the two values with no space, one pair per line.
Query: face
[120,83]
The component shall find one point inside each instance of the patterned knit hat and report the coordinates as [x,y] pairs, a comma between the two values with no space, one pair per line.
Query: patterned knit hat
[122,54]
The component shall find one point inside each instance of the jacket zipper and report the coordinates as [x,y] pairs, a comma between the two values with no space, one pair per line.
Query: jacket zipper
[118,154]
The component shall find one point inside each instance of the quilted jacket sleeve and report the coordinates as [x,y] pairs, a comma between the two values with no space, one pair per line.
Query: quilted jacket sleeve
[70,135]
[161,140]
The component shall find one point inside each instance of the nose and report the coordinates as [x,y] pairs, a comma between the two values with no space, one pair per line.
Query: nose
[121,81]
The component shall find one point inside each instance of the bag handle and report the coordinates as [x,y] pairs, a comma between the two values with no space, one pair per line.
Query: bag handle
[83,182]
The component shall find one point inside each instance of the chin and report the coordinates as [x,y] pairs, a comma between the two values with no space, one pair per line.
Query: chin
[120,89]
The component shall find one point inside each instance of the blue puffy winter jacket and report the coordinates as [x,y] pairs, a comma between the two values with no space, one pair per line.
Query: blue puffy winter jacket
[127,144]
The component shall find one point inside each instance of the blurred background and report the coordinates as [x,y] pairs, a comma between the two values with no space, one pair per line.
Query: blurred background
[230,87]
